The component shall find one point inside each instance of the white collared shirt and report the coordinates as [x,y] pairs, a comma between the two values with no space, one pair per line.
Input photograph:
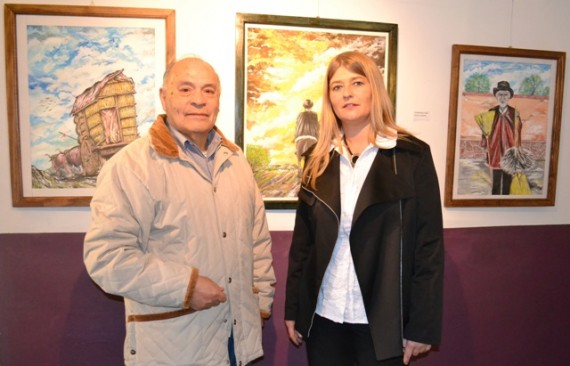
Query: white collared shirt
[204,160]
[340,298]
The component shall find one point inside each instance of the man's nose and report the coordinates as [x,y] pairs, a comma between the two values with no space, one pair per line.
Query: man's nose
[197,100]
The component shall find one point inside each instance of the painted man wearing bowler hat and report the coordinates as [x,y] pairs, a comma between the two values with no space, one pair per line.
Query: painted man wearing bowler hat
[502,132]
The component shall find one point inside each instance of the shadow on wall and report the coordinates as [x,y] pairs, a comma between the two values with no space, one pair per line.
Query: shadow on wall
[94,326]
[278,350]
[455,307]
[51,313]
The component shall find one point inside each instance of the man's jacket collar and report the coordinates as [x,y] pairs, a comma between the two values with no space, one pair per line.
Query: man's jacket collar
[166,145]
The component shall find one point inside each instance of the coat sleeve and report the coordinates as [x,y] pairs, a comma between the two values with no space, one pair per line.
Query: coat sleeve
[263,274]
[426,295]
[122,211]
[298,255]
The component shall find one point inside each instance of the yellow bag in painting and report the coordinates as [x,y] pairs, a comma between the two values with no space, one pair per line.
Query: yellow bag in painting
[519,185]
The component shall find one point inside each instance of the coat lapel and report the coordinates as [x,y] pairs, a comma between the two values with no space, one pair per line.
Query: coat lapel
[328,184]
[384,183]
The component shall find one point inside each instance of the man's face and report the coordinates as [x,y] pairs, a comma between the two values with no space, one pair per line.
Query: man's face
[190,97]
[503,97]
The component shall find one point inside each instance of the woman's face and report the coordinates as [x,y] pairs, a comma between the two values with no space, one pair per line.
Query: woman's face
[350,96]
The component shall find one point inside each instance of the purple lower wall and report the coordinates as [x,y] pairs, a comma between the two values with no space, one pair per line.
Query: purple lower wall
[507,301]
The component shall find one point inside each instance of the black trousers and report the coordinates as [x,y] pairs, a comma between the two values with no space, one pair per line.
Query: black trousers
[334,344]
[501,182]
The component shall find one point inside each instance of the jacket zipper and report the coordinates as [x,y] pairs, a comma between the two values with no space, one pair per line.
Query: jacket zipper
[338,223]
[401,285]
[395,167]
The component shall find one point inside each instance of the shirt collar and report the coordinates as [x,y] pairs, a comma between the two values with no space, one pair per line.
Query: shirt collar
[383,142]
[212,142]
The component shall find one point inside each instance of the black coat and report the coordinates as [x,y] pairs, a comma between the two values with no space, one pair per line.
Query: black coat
[396,243]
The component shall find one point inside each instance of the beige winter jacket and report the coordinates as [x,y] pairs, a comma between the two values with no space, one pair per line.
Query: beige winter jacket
[157,223]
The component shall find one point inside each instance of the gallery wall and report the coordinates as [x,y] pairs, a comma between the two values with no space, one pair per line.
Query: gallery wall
[426,31]
[503,303]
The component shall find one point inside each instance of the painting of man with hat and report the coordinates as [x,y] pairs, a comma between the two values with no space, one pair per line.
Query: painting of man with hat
[501,128]
[504,127]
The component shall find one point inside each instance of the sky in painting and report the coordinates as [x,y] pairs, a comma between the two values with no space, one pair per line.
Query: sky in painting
[512,71]
[534,112]
[63,61]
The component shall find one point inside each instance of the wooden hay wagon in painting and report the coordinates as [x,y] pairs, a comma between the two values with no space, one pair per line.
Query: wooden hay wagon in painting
[105,119]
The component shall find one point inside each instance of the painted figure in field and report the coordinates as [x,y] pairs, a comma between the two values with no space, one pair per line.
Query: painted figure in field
[501,128]
[307,131]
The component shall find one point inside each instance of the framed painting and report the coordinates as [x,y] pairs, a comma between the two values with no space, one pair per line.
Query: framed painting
[505,112]
[280,67]
[82,82]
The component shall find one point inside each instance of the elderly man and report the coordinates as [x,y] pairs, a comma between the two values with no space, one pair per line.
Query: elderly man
[179,230]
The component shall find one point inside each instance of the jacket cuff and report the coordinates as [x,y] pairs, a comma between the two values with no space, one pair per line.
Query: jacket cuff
[190,290]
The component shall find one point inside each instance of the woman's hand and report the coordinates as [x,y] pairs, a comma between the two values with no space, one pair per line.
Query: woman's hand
[412,348]
[294,336]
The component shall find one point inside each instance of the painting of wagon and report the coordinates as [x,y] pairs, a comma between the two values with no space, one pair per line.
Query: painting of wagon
[105,119]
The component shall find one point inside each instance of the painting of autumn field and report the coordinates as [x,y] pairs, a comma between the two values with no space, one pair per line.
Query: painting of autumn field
[283,67]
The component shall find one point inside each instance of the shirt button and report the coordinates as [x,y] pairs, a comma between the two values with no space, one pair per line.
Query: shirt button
[229,280]
[133,352]
[224,234]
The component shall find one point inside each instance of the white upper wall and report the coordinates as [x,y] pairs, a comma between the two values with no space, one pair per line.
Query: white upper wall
[426,31]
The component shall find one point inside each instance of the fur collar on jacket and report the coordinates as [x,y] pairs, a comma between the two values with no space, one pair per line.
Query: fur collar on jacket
[165,144]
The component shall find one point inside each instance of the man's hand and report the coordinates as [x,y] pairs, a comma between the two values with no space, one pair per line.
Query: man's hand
[206,294]
[412,348]
[294,336]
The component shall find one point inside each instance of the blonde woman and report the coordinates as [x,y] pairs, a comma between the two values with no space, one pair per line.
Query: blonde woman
[365,278]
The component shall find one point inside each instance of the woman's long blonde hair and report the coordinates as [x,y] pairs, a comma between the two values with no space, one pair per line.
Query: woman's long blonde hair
[381,114]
